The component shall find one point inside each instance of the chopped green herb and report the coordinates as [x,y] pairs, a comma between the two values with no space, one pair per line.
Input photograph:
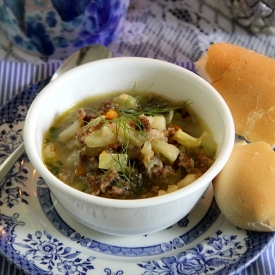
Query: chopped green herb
[54,132]
[53,168]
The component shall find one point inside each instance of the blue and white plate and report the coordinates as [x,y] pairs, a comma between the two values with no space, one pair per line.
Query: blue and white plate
[40,237]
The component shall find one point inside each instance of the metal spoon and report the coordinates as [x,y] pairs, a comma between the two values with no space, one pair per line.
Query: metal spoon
[84,55]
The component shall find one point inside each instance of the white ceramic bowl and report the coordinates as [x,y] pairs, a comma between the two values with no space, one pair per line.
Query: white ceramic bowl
[128,217]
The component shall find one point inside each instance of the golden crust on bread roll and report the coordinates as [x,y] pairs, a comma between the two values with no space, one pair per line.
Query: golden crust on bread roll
[245,188]
[246,81]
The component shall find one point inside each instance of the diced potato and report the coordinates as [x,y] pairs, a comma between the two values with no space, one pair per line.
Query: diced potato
[136,138]
[172,188]
[150,118]
[159,123]
[48,152]
[112,161]
[146,149]
[72,159]
[189,178]
[162,192]
[70,132]
[99,138]
[125,101]
[186,140]
[170,116]
[209,144]
[93,122]
[74,143]
[126,133]
[169,151]
[147,153]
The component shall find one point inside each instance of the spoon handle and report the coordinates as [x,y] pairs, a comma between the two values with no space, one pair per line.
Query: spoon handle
[10,161]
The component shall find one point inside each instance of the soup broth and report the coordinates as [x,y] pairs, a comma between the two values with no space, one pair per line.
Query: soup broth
[128,146]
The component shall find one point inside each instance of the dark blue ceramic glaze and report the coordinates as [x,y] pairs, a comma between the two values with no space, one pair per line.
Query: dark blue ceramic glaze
[57,28]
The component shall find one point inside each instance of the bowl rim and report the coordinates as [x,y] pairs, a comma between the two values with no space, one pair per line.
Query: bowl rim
[203,181]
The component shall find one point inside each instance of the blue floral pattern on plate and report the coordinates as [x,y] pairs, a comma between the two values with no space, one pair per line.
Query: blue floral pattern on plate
[40,237]
[57,28]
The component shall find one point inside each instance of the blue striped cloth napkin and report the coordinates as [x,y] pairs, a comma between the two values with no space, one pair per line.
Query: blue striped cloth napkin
[15,77]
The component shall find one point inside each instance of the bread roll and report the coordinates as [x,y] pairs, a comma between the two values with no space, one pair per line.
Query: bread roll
[246,81]
[245,188]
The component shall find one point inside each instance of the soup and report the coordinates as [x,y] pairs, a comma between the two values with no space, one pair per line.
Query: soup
[128,146]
